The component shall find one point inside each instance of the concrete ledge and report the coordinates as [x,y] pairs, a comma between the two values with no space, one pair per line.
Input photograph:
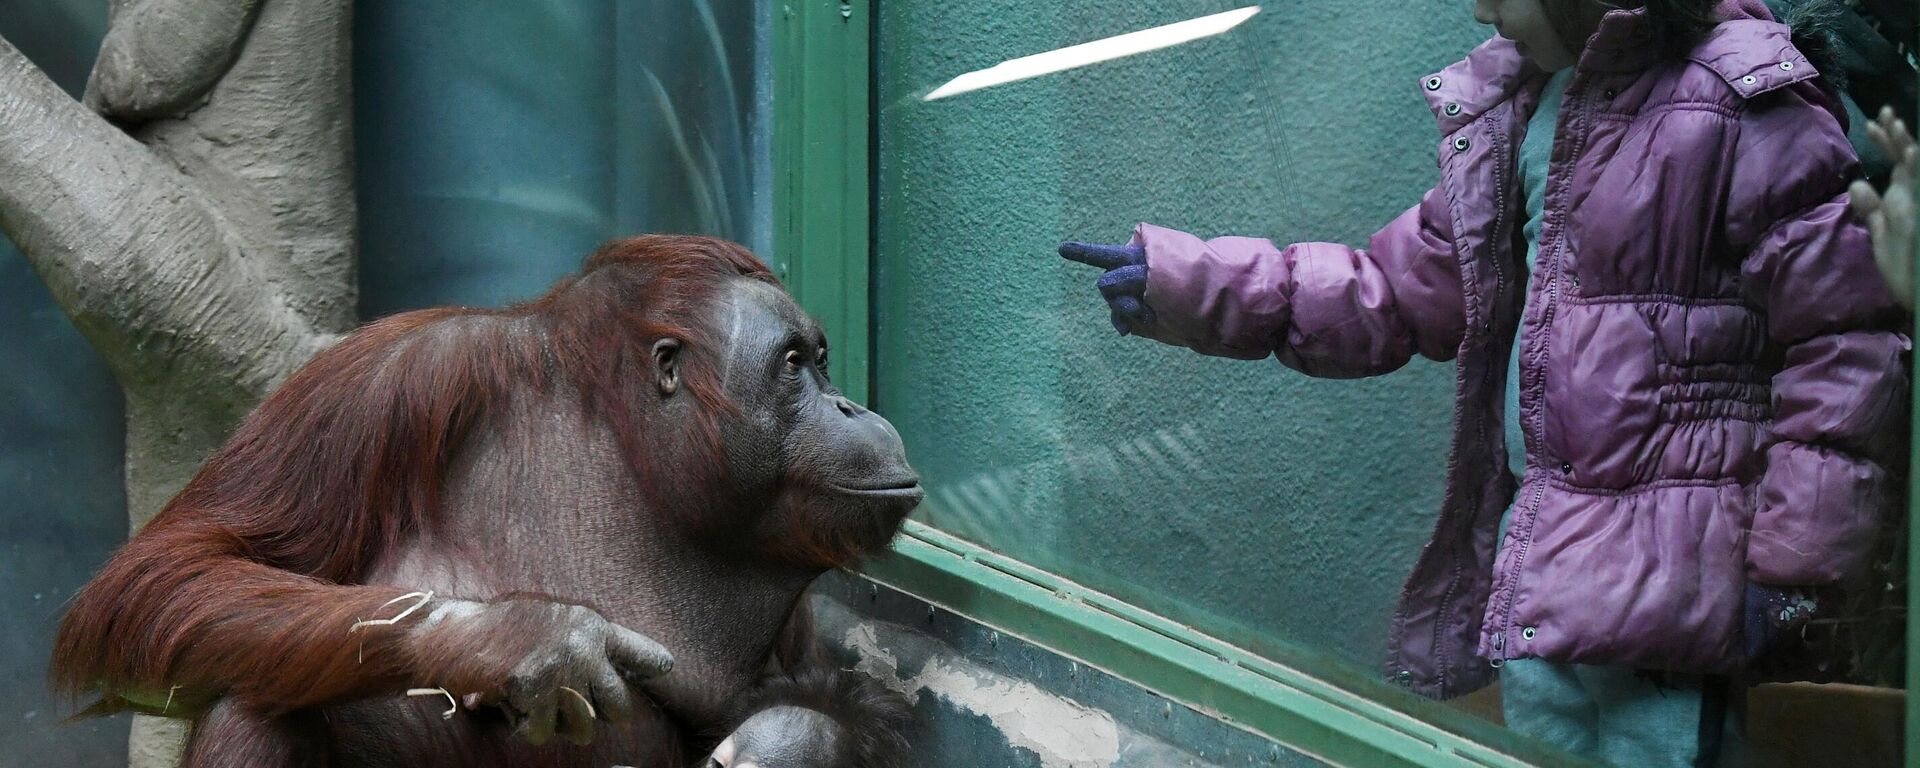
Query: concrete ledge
[984,698]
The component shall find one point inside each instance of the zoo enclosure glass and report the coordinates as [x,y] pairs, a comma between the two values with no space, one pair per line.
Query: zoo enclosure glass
[1277,512]
[1268,508]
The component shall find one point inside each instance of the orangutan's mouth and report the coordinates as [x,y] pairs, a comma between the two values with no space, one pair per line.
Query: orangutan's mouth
[909,486]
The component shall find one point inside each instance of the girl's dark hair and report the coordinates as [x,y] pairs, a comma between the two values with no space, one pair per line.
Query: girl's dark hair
[1681,23]
[1677,24]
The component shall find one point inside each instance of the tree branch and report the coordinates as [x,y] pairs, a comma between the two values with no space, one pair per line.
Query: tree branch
[130,250]
[160,56]
[270,144]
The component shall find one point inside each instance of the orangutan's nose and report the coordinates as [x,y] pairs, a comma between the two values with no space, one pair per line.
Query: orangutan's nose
[848,408]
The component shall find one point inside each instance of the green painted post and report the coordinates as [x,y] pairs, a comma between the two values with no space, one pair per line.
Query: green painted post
[821,242]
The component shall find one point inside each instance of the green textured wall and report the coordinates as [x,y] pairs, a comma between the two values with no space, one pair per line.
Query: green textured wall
[1240,496]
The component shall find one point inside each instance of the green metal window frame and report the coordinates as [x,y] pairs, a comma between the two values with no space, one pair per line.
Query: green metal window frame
[821,177]
[822,160]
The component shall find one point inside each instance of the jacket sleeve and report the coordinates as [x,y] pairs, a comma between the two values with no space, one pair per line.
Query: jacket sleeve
[1324,309]
[1840,397]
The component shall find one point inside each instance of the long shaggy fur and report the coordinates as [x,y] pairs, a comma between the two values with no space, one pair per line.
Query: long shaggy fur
[219,594]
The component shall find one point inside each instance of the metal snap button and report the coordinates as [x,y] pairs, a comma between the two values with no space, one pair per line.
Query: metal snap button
[1433,83]
[1749,79]
[1609,93]
[1566,467]
[1404,678]
[1461,143]
[1527,633]
[1453,109]
[1787,66]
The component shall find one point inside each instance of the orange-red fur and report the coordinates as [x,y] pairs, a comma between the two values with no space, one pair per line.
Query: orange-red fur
[244,585]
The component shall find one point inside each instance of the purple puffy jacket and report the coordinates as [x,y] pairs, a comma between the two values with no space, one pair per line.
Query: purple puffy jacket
[1713,377]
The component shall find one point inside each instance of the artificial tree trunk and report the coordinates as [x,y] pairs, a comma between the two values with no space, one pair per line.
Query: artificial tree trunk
[194,217]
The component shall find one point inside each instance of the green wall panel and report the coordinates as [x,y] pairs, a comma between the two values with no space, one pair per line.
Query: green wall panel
[1271,509]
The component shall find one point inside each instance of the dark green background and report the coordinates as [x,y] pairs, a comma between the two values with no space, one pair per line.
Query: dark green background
[61,440]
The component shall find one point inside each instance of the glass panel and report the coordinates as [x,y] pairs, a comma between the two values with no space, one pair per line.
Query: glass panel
[501,141]
[1263,505]
[1280,512]
[498,143]
[61,439]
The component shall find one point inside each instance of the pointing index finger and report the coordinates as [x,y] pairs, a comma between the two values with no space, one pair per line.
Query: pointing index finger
[1094,255]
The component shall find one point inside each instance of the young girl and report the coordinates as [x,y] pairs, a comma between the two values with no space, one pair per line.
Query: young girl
[1641,256]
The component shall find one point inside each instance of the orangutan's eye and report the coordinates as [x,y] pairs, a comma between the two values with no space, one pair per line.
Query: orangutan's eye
[793,361]
[823,364]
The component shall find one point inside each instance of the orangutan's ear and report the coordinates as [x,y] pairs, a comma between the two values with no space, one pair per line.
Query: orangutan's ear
[666,366]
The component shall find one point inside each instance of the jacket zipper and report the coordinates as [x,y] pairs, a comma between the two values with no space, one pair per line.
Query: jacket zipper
[1527,512]
[1505,154]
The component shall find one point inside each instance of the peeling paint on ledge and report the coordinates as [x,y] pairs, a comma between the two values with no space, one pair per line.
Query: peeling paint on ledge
[983,698]
[1062,733]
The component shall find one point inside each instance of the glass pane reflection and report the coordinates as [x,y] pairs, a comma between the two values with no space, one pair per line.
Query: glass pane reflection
[1276,511]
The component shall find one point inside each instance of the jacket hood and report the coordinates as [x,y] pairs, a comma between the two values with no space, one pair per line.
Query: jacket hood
[1751,51]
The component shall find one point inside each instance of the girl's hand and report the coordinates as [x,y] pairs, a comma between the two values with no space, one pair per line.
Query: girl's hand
[1891,216]
[1125,283]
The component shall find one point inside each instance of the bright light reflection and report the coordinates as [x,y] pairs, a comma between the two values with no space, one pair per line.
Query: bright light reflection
[1104,49]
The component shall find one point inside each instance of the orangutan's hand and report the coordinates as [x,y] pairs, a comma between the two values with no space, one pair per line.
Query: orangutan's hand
[1890,216]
